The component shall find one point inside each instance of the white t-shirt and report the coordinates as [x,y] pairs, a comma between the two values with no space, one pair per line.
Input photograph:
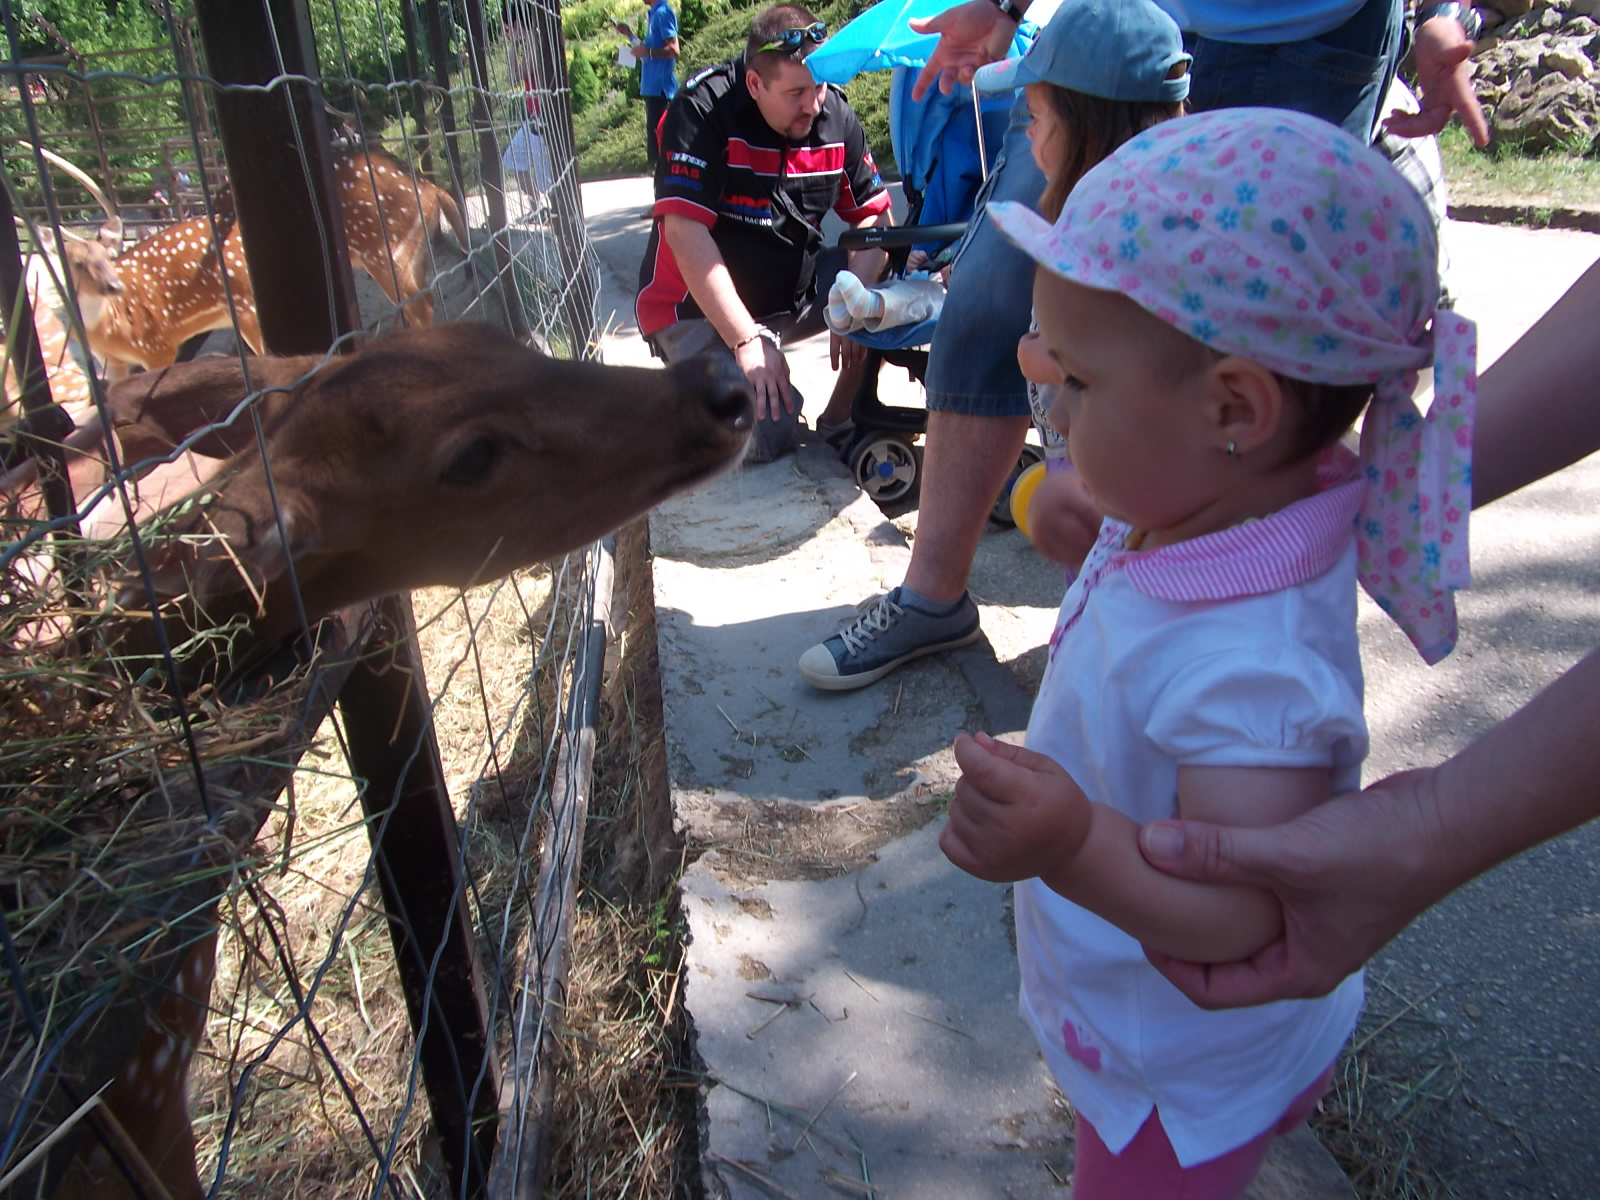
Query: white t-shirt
[1167,658]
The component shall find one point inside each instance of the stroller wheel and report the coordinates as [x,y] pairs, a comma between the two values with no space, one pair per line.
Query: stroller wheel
[886,468]
[1000,514]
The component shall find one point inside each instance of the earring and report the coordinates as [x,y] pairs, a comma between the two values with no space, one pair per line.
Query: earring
[1233,451]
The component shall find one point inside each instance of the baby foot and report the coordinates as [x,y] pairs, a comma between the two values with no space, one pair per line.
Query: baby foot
[863,303]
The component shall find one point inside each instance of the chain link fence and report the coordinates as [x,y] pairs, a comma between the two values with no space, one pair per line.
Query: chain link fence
[372,832]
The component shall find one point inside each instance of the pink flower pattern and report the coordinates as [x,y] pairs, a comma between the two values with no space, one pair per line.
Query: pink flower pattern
[1278,237]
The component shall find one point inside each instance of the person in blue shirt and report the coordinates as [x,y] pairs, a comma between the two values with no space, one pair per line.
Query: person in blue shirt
[658,83]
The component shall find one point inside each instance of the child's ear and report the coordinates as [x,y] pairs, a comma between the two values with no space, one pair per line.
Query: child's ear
[1248,407]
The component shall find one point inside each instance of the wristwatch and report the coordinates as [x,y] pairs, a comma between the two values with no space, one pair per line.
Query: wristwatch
[1010,8]
[1470,20]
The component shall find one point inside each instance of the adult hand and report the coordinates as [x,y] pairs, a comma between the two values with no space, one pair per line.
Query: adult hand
[845,353]
[1442,53]
[767,370]
[1350,874]
[968,37]
[1015,814]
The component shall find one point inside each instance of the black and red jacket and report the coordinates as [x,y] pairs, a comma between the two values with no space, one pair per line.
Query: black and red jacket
[762,196]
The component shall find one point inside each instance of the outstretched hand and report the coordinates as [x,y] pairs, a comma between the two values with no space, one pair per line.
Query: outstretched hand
[967,36]
[1349,875]
[1015,815]
[1442,53]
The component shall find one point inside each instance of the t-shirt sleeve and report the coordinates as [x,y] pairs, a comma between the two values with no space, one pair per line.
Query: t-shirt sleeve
[1267,706]
[663,24]
[692,150]
[861,190]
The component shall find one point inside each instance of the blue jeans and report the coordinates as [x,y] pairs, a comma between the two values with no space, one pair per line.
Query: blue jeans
[1341,77]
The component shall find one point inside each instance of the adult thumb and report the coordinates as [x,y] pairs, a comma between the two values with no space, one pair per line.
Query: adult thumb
[1195,850]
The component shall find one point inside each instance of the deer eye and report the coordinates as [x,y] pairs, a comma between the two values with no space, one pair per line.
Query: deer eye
[473,463]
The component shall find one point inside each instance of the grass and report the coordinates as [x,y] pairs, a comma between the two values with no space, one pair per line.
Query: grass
[1504,175]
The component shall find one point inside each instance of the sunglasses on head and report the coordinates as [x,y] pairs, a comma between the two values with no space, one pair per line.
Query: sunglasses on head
[790,39]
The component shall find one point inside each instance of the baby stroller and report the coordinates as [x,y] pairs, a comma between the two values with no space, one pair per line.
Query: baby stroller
[944,158]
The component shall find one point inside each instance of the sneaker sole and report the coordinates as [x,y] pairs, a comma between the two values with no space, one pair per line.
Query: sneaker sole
[861,679]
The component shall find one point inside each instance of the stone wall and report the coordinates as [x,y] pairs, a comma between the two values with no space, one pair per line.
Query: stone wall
[1536,75]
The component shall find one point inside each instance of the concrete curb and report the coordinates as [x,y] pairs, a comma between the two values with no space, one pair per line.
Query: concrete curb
[1535,216]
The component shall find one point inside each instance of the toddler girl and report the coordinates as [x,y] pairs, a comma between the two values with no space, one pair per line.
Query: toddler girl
[1222,297]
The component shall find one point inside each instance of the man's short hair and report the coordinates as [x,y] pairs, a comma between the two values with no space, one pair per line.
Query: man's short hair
[769,24]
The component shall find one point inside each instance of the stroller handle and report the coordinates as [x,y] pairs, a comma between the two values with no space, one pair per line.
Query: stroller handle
[890,237]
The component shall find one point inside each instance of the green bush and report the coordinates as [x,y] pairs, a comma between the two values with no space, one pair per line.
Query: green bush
[610,134]
[584,82]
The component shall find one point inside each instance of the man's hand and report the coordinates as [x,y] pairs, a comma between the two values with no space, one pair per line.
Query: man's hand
[1015,815]
[1350,874]
[1442,54]
[767,370]
[970,35]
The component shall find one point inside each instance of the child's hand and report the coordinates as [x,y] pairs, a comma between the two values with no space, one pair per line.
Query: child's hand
[1016,814]
[1063,519]
[1035,361]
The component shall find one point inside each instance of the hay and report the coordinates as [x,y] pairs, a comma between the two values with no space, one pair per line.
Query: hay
[121,814]
[299,1128]
[307,1083]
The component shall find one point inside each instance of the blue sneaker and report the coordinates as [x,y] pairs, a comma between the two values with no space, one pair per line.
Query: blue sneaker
[892,631]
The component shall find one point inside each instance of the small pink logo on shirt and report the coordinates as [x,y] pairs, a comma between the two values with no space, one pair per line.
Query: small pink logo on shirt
[1089,1056]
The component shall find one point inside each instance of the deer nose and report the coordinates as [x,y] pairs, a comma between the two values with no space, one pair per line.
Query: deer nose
[722,387]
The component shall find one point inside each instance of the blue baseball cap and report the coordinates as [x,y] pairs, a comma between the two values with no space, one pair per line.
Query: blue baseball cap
[1115,49]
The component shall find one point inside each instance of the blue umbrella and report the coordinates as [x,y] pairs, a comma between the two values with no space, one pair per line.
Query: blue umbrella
[882,37]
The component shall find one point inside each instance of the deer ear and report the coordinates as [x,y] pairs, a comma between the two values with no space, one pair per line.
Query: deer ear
[164,407]
[110,235]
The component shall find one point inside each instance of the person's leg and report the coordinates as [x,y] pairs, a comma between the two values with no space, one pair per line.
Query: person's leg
[977,419]
[654,108]
[1148,1167]
[978,407]
[1341,76]
[809,321]
[965,464]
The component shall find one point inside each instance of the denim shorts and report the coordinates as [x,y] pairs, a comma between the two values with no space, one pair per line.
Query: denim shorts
[1340,77]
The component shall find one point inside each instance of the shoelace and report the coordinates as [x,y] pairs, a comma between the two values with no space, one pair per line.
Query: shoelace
[855,637]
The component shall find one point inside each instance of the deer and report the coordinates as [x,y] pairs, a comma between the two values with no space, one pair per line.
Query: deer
[176,283]
[446,455]
[90,262]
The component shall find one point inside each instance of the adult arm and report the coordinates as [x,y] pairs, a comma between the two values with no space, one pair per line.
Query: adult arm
[1352,873]
[663,26]
[709,282]
[1536,404]
[1442,55]
[1017,814]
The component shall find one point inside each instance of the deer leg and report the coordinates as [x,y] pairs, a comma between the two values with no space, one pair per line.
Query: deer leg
[148,1104]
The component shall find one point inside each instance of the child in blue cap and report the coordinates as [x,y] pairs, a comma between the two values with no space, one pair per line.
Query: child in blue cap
[1101,72]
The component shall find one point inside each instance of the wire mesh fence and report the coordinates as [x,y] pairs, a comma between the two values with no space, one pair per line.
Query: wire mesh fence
[320,847]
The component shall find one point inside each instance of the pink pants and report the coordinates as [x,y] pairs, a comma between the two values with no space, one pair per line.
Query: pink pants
[1148,1169]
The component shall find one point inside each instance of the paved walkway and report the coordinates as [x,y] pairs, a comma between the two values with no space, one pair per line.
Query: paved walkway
[854,995]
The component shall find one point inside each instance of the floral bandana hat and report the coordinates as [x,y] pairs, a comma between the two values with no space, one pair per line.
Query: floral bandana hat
[1280,238]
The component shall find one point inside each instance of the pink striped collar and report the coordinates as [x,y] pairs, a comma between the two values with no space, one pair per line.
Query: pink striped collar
[1291,546]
